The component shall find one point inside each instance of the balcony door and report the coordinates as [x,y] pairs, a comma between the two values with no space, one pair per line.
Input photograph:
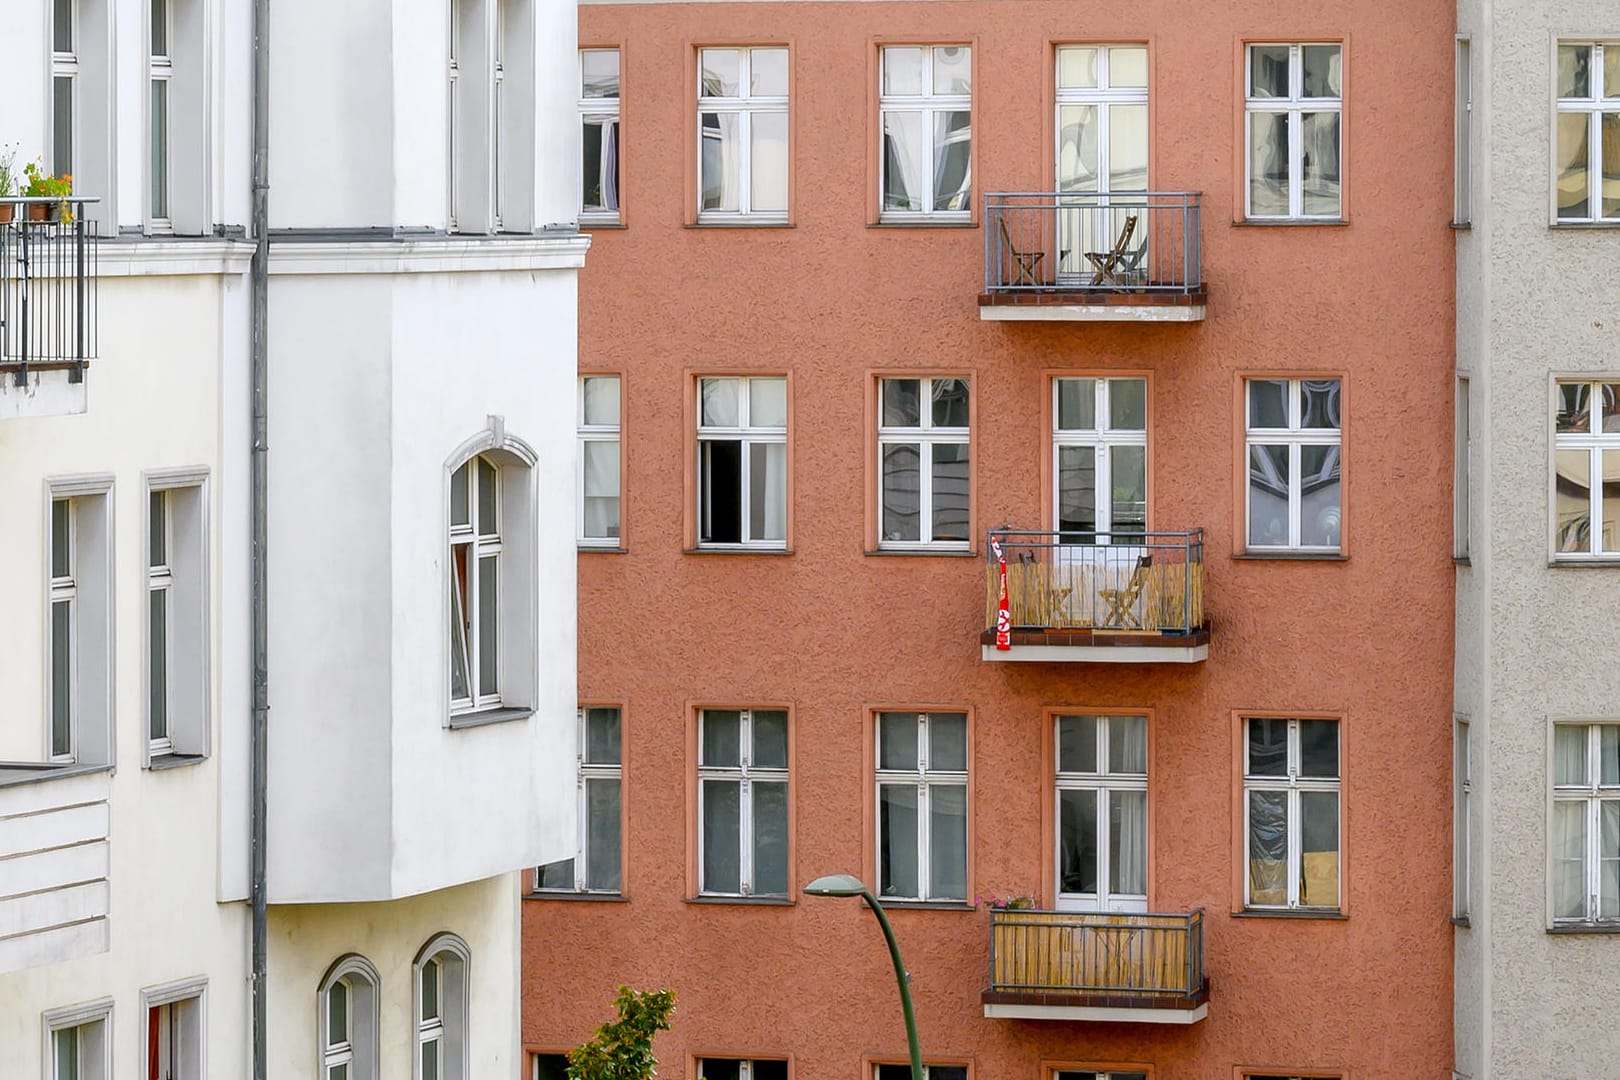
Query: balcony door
[1099,492]
[1102,149]
[1101,813]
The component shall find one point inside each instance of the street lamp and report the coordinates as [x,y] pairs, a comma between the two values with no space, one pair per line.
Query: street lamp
[849,885]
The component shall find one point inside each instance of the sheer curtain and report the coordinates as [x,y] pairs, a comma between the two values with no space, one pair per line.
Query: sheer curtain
[1569,859]
[610,164]
[1128,843]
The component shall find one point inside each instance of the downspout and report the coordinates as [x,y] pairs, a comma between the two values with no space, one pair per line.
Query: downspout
[257,736]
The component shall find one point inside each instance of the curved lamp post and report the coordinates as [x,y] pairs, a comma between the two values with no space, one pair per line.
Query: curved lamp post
[848,885]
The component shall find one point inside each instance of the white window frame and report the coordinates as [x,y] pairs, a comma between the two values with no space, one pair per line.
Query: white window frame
[1592,793]
[1296,437]
[159,580]
[1593,106]
[1462,491]
[925,436]
[430,1029]
[62,589]
[1067,1073]
[453,136]
[749,436]
[747,105]
[1104,782]
[340,1053]
[926,778]
[1462,819]
[1295,105]
[1294,785]
[745,774]
[187,1026]
[479,545]
[605,110]
[599,433]
[448,1031]
[92,1023]
[1595,443]
[183,580]
[745,1066]
[91,632]
[497,78]
[1463,136]
[65,65]
[1103,439]
[586,771]
[534,1062]
[928,1069]
[928,104]
[160,69]
[359,1051]
[1104,96]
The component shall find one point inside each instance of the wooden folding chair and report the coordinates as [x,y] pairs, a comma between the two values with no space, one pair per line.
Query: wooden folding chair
[1024,263]
[1121,601]
[1111,265]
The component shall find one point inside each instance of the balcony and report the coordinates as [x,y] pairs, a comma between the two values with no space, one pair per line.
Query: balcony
[47,305]
[54,833]
[1063,965]
[1110,598]
[1090,256]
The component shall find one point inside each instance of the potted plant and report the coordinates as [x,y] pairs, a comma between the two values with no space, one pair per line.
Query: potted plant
[42,185]
[8,183]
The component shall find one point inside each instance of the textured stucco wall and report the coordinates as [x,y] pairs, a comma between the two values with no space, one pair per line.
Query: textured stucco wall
[1541,302]
[834,632]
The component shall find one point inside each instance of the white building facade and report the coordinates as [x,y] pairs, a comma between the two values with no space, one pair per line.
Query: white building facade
[419,534]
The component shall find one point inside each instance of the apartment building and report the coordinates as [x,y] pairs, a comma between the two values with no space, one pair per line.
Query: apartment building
[1537,740]
[419,363]
[1014,464]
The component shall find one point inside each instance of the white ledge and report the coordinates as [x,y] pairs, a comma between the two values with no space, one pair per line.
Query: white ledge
[1097,654]
[151,258]
[1117,1015]
[428,256]
[1175,313]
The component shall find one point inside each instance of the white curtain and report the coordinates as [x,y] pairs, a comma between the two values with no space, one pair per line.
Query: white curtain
[610,164]
[1127,745]
[1609,859]
[1569,859]
[1569,754]
[1128,842]
[768,497]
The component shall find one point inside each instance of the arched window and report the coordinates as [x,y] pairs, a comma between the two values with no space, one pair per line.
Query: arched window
[348,1020]
[441,1009]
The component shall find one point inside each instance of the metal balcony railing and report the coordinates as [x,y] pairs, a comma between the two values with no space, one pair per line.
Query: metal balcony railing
[47,286]
[1093,242]
[1157,957]
[1098,581]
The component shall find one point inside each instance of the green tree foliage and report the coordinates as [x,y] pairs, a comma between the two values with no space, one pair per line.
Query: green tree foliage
[622,1049]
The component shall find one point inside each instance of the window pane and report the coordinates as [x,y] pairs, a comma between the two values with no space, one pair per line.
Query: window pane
[160,27]
[338,1072]
[158,176]
[1319,840]
[1319,748]
[1319,518]
[488,608]
[61,538]
[1611,72]
[1078,131]
[1569,859]
[953,160]
[1077,744]
[1127,404]
[1268,848]
[1268,496]
[1127,745]
[62,26]
[720,491]
[1077,404]
[430,989]
[770,749]
[947,742]
[601,400]
[1571,162]
[1127,842]
[337,1013]
[722,738]
[770,1070]
[1611,501]
[1268,403]
[599,161]
[157,532]
[488,523]
[722,841]
[557,875]
[719,1069]
[1320,403]
[902,499]
[946,1072]
[551,1067]
[1268,164]
[1569,755]
[66,1041]
[430,1060]
[950,403]
[1077,67]
[770,838]
[1572,486]
[903,71]
[768,164]
[460,607]
[897,840]
[950,491]
[722,161]
[600,461]
[1268,746]
[1609,754]
[767,403]
[905,160]
[1077,489]
[1268,71]
[1129,486]
[1574,413]
[953,69]
[157,675]
[1574,71]
[719,72]
[599,73]
[1321,71]
[902,403]
[1127,149]
[1608,859]
[897,741]
[720,402]
[1610,180]
[768,72]
[1127,66]
[602,841]
[1611,396]
[602,736]
[947,841]
[1077,841]
[458,496]
[1319,181]
[767,496]
[61,678]
[62,125]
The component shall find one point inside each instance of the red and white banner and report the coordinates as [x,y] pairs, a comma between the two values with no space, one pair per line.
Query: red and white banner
[1003,612]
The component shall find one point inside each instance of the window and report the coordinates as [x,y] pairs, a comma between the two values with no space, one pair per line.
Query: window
[1102,147]
[475,559]
[1294,102]
[742,461]
[923,462]
[64,605]
[930,1072]
[441,1009]
[490,89]
[1082,1074]
[743,124]
[159,67]
[550,1067]
[596,866]
[733,1069]
[1463,166]
[1294,467]
[1284,1076]
[1588,134]
[922,761]
[79,1042]
[177,646]
[599,460]
[599,127]
[1586,822]
[348,1020]
[174,1031]
[1462,795]
[64,83]
[1099,445]
[78,622]
[1291,810]
[1586,481]
[1462,491]
[1102,793]
[743,802]
[927,159]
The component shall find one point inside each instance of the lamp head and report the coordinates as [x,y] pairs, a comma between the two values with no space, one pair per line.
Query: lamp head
[835,885]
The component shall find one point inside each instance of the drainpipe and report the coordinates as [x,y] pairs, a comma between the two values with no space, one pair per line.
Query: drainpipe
[260,597]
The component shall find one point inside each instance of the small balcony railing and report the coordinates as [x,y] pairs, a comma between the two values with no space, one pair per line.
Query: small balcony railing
[47,286]
[1124,581]
[1112,243]
[1123,960]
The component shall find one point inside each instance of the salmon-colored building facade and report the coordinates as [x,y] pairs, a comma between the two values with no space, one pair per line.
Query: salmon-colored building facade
[1156,297]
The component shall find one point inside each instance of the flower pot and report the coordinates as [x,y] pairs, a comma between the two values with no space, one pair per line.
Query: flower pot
[6,211]
[38,211]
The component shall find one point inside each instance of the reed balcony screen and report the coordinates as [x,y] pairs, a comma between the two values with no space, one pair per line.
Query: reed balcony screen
[1097,966]
[1093,255]
[47,287]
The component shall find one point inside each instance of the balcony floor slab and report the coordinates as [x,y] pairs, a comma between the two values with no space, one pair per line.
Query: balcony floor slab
[1097,647]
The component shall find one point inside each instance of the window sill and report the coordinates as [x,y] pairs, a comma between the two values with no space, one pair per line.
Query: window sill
[1583,564]
[1578,226]
[1462,922]
[175,761]
[947,223]
[1462,226]
[1269,223]
[741,223]
[1257,913]
[1584,928]
[602,549]
[586,224]
[485,717]
[745,901]
[925,905]
[1291,556]
[927,553]
[577,897]
[736,549]
[1462,560]
[17,773]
